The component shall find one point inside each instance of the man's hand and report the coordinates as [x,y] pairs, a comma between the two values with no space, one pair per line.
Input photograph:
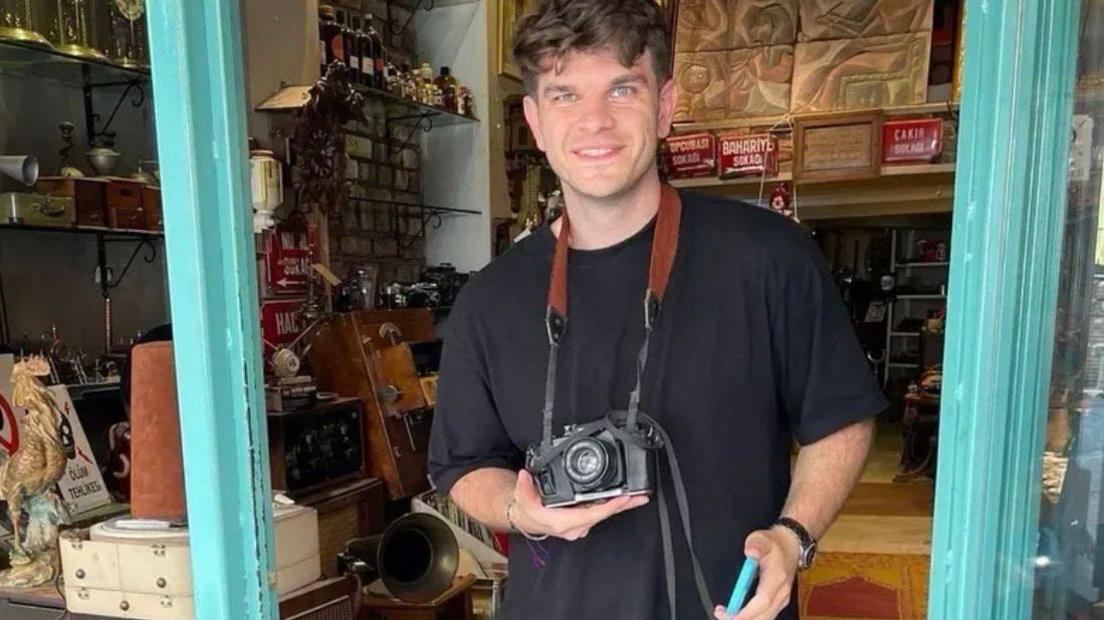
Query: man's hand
[777,550]
[566,523]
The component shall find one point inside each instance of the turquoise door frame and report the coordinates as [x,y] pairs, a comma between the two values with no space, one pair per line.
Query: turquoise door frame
[1008,218]
[199,102]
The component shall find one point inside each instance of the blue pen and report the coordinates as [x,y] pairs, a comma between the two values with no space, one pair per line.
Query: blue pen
[743,586]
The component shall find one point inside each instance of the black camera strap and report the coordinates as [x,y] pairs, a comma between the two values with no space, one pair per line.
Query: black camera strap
[664,249]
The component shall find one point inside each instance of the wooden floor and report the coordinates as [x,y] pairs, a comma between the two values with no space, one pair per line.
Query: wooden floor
[874,561]
[882,516]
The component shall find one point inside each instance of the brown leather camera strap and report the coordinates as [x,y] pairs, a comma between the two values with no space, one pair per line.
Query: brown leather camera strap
[664,248]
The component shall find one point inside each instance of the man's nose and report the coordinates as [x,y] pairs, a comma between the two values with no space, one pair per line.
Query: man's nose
[596,114]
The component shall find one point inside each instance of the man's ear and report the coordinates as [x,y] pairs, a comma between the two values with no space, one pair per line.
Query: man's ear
[532,116]
[668,98]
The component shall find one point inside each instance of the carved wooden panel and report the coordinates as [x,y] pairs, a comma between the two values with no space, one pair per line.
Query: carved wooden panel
[714,25]
[702,81]
[853,19]
[759,80]
[733,84]
[861,73]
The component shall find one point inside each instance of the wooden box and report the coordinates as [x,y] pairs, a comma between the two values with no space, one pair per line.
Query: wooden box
[352,510]
[365,354]
[124,205]
[89,197]
[151,204]
[148,574]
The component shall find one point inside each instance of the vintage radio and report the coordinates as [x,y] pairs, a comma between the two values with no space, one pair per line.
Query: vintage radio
[316,447]
[89,197]
[124,205]
[373,355]
[37,209]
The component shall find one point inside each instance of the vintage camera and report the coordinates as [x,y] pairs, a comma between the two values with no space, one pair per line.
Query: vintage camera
[590,462]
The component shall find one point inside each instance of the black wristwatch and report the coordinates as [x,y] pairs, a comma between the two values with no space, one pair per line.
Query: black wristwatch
[807,544]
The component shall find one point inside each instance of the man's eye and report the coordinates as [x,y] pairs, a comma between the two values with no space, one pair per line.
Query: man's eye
[622,91]
[564,98]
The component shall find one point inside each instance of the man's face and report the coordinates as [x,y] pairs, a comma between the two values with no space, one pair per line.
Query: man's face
[599,122]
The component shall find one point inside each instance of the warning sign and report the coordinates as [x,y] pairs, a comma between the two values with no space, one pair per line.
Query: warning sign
[81,486]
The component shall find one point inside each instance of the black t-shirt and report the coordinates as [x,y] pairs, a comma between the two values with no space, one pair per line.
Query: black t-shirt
[753,349]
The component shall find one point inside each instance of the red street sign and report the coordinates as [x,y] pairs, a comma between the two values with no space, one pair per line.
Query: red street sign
[913,140]
[743,155]
[691,156]
[287,264]
[280,321]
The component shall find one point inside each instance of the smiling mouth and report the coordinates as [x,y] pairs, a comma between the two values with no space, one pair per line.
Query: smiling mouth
[597,154]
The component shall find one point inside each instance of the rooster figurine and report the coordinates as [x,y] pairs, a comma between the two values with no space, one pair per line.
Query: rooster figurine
[28,477]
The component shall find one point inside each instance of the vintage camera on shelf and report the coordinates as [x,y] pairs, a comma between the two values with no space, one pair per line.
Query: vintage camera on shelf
[591,462]
[397,295]
[448,281]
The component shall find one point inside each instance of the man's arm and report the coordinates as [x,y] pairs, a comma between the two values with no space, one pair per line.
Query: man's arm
[485,493]
[823,477]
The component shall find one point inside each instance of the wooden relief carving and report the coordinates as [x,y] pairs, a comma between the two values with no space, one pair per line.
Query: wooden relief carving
[702,81]
[861,73]
[831,19]
[715,25]
[759,81]
[733,84]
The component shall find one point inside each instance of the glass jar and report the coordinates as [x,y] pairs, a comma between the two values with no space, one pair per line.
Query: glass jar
[74,29]
[22,20]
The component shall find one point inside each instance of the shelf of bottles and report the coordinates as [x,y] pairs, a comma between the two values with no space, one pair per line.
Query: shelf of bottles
[411,93]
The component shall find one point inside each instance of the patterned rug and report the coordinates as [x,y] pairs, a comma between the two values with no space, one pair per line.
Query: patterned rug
[865,586]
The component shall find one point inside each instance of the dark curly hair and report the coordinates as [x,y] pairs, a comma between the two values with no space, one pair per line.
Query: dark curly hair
[556,27]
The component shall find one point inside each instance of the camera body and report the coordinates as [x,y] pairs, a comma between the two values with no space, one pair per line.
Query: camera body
[587,463]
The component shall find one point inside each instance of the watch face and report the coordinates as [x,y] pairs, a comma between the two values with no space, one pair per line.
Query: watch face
[808,554]
[131,9]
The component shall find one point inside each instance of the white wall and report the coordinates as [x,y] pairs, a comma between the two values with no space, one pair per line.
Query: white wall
[456,164]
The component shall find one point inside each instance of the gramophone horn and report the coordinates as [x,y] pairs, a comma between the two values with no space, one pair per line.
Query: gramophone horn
[23,168]
[416,557]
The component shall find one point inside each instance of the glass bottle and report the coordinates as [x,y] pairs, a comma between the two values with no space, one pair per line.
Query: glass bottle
[380,71]
[332,44]
[447,84]
[393,79]
[353,41]
[367,53]
[348,41]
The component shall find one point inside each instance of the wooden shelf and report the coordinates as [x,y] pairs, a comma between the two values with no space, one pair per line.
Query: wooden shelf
[87,230]
[44,62]
[922,297]
[887,171]
[681,128]
[904,334]
[923,265]
[902,190]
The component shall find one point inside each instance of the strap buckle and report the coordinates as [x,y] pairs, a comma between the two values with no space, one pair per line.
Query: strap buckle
[556,326]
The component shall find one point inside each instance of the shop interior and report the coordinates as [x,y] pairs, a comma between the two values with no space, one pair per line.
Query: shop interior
[389,160]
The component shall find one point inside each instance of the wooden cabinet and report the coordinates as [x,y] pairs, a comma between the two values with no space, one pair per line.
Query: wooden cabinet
[367,355]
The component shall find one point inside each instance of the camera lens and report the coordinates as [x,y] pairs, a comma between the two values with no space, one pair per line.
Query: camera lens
[587,461]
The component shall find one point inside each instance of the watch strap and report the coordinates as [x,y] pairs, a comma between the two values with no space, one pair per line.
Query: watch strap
[805,540]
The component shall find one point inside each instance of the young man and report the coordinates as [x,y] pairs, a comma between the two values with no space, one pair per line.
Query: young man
[752,349]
